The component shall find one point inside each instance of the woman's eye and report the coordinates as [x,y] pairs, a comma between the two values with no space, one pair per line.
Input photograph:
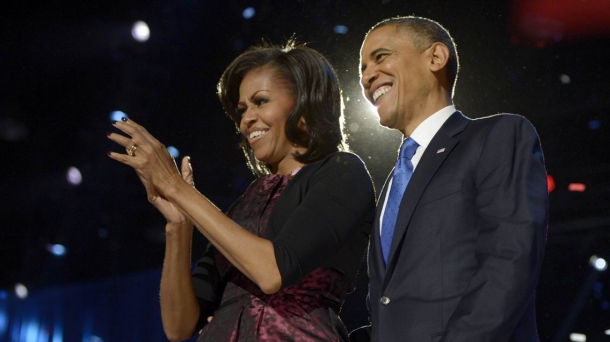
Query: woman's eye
[240,111]
[260,102]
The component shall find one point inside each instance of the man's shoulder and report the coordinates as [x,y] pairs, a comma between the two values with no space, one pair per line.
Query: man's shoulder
[502,117]
[504,122]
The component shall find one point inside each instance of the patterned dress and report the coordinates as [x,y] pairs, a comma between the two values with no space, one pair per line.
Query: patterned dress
[306,311]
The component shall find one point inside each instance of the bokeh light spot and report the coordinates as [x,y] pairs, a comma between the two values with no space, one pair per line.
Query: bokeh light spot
[21,291]
[249,12]
[117,115]
[74,176]
[173,151]
[594,124]
[341,29]
[140,31]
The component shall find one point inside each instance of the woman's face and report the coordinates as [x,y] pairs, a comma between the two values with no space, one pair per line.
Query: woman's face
[264,104]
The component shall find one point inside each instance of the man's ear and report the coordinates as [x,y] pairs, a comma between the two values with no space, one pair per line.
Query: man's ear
[439,56]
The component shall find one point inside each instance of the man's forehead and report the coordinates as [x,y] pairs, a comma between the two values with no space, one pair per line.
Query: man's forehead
[380,36]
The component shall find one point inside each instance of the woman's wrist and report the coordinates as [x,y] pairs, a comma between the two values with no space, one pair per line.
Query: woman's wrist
[172,228]
[171,186]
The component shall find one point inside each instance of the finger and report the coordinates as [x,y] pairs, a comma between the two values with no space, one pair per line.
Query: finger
[139,128]
[122,158]
[187,170]
[120,139]
[130,130]
[210,319]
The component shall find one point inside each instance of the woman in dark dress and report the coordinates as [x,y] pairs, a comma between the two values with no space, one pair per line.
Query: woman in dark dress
[282,260]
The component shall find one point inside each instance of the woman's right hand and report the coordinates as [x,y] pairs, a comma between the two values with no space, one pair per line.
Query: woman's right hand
[173,216]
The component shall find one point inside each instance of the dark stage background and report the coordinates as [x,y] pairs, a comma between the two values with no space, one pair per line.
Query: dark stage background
[77,232]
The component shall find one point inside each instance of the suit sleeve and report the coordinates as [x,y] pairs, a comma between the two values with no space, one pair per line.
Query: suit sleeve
[512,204]
[339,200]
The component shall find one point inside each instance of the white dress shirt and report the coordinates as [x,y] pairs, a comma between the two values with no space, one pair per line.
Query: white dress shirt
[422,135]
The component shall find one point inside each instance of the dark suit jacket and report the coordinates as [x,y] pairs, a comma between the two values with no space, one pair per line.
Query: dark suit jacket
[469,238]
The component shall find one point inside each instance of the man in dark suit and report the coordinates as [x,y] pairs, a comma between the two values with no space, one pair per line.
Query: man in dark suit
[460,229]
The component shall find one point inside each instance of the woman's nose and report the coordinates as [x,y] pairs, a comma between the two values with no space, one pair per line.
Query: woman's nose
[249,116]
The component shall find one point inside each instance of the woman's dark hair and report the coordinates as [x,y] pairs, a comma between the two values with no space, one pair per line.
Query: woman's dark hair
[314,83]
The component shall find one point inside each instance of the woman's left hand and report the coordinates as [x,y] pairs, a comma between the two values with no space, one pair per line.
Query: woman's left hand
[149,158]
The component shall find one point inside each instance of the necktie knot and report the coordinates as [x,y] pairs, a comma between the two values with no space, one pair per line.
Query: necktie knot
[408,148]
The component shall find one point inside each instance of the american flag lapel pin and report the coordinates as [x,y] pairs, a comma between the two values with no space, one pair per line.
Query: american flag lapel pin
[440,150]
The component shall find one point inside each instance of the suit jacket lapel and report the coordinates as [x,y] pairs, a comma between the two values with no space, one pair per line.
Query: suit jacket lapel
[427,167]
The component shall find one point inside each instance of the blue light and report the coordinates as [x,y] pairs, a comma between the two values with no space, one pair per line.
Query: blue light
[249,12]
[341,29]
[594,124]
[30,330]
[3,321]
[57,249]
[117,115]
[3,295]
[173,151]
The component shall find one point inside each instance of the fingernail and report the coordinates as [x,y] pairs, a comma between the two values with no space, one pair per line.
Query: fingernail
[108,134]
[124,119]
[109,152]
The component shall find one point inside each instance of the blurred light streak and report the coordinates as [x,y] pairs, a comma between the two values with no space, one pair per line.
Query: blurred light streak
[576,337]
[341,29]
[577,187]
[550,183]
[546,21]
[56,249]
[3,319]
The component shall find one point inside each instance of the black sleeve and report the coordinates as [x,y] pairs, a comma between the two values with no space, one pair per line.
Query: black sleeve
[208,286]
[336,207]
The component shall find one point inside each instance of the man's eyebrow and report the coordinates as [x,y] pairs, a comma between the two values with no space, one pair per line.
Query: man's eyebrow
[372,55]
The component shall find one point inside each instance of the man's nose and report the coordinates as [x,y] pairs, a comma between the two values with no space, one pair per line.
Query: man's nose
[368,77]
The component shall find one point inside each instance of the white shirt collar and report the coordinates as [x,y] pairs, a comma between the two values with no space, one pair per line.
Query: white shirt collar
[426,130]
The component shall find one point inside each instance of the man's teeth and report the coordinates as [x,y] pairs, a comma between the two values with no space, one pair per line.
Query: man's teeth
[381,91]
[256,134]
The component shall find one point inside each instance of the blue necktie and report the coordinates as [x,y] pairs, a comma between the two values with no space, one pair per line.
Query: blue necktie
[400,179]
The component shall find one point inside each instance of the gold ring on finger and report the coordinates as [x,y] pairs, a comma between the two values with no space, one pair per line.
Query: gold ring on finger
[132,150]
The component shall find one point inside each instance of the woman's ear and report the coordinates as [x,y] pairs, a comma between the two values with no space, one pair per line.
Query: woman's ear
[302,124]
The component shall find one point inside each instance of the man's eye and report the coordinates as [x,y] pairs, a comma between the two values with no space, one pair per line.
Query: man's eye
[380,57]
